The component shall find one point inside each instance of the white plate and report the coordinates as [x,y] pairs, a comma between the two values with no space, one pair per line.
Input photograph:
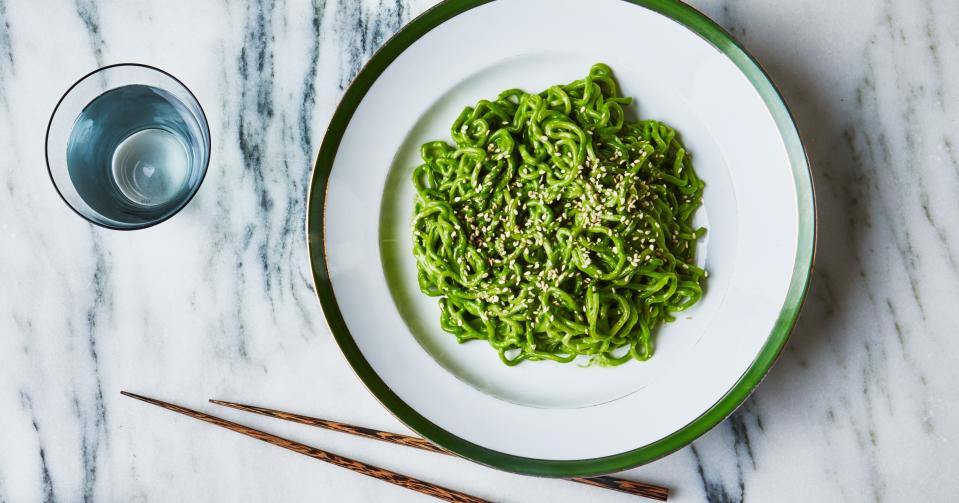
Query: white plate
[543,417]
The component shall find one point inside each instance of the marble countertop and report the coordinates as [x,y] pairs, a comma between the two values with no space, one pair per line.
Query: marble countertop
[217,302]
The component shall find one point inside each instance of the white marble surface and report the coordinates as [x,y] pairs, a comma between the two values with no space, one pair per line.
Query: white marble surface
[217,302]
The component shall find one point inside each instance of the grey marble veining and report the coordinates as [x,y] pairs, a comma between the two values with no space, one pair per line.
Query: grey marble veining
[218,302]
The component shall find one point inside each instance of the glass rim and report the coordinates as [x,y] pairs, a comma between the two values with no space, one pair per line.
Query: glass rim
[193,191]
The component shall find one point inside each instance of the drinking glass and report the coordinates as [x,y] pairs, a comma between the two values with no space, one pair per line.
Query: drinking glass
[127,146]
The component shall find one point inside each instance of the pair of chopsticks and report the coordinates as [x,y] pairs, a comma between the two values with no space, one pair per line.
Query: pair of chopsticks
[606,482]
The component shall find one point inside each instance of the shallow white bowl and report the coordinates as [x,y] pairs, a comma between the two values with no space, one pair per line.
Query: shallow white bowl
[541,417]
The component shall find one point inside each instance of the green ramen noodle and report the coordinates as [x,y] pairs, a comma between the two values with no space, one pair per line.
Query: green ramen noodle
[554,227]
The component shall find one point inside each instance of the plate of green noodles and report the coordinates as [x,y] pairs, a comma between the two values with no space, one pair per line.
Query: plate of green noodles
[565,247]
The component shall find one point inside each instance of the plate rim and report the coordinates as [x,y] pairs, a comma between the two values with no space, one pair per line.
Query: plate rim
[705,28]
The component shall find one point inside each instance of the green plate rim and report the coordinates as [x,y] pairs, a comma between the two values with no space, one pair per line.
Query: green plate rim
[802,269]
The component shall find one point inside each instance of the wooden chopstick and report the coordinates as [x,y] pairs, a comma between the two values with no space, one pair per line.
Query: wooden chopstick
[605,482]
[352,464]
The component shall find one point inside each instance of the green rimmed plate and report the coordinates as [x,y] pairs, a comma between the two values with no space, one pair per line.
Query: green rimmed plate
[543,418]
